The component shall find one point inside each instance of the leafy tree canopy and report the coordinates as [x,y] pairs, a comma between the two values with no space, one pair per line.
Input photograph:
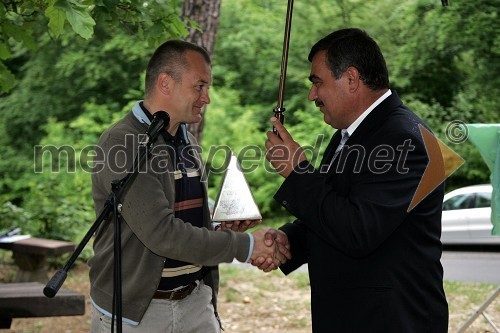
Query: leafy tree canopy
[24,22]
[443,62]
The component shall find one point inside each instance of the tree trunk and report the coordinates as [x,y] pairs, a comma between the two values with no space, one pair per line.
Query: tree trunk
[206,14]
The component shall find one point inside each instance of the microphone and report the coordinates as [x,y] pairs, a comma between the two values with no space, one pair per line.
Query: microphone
[160,120]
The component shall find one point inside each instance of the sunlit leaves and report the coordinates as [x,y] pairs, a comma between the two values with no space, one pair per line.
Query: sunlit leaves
[57,17]
[26,23]
[6,78]
[80,20]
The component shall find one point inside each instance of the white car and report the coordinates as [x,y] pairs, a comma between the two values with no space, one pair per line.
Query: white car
[467,217]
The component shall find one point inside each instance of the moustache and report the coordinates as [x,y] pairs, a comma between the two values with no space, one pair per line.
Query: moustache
[318,103]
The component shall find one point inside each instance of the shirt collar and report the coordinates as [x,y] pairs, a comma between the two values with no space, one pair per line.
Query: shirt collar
[140,114]
[144,116]
[362,117]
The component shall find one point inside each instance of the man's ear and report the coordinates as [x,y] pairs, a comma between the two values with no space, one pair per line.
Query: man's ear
[164,83]
[353,77]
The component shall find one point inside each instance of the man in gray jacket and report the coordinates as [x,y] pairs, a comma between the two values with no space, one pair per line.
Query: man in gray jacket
[169,250]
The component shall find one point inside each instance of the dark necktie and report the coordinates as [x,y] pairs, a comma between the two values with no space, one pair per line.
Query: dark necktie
[345,137]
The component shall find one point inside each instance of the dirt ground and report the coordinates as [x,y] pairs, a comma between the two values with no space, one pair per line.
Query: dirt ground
[249,302]
[245,306]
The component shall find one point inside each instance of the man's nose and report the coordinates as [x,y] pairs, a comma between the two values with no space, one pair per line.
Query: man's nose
[313,95]
[205,98]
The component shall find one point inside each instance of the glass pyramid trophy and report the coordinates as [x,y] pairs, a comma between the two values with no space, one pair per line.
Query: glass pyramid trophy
[235,200]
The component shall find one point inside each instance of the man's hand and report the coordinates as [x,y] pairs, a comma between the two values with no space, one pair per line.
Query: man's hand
[267,249]
[239,226]
[283,153]
[279,241]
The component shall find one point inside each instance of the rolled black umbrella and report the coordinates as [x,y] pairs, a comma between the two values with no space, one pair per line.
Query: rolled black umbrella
[279,109]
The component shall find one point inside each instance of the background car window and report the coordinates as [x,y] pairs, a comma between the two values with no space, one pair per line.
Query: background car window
[462,201]
[483,199]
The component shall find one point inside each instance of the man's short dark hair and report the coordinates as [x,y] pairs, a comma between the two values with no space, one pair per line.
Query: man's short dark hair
[354,47]
[170,58]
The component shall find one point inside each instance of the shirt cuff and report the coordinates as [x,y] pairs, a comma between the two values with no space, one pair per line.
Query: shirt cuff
[250,248]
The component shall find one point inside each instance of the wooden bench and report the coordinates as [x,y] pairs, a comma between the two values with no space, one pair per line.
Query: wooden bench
[31,254]
[25,300]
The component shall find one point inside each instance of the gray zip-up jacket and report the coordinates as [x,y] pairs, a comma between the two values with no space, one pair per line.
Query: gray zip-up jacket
[149,230]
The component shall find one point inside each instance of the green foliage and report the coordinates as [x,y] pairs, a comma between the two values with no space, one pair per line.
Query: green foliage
[13,216]
[445,67]
[242,134]
[76,14]
[249,51]
[59,199]
[67,93]
[60,205]
[6,77]
[437,117]
[62,81]
[241,130]
[26,23]
[246,74]
[443,62]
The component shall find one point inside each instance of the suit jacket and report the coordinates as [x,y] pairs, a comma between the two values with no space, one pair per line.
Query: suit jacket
[373,266]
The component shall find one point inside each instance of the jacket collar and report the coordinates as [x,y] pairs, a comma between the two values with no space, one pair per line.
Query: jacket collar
[144,116]
[375,119]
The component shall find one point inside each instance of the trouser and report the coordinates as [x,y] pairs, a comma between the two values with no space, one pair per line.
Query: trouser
[193,314]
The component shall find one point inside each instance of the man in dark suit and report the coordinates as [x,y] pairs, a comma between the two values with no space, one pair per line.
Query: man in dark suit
[374,264]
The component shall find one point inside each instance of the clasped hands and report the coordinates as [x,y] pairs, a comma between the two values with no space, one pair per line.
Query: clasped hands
[271,249]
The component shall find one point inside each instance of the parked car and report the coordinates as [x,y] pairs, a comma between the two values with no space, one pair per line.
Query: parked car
[467,216]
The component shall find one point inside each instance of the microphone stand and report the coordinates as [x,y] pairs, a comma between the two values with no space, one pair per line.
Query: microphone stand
[118,188]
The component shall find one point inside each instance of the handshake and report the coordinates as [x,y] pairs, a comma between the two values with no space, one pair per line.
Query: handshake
[271,249]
